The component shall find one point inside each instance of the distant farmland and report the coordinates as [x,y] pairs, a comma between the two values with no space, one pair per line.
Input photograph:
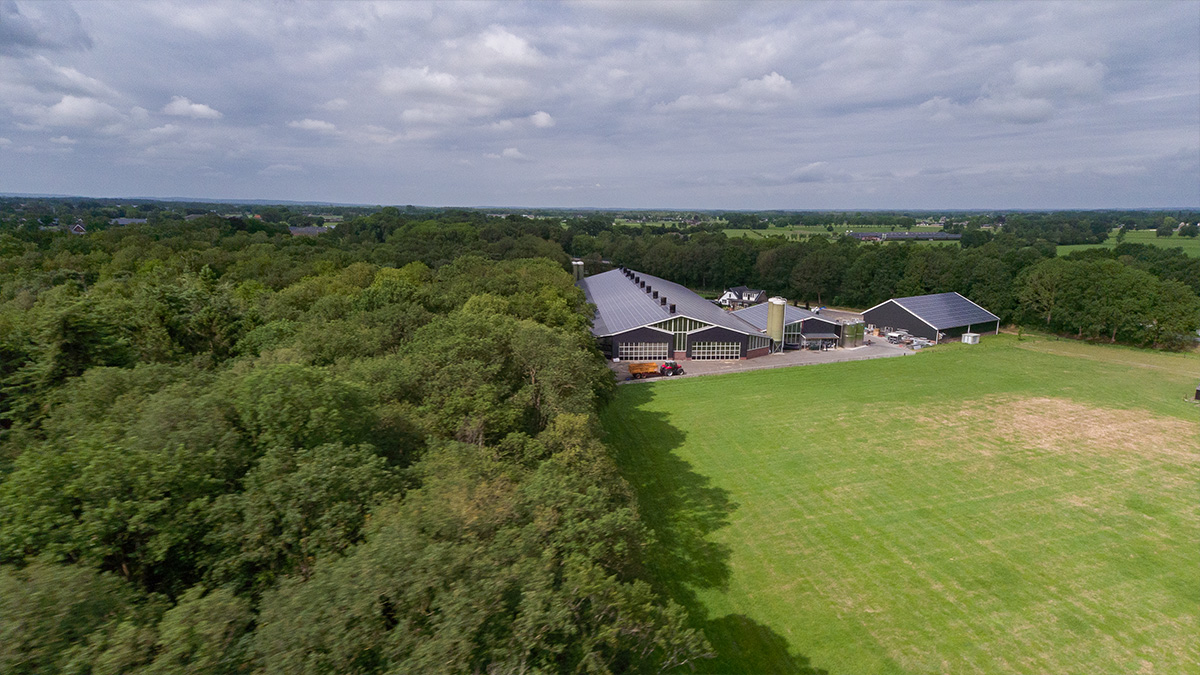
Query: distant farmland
[1011,507]
[1190,245]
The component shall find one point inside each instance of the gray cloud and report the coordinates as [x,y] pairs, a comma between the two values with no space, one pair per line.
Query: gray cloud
[41,26]
[680,104]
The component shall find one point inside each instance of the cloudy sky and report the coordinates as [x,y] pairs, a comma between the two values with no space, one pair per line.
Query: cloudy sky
[789,105]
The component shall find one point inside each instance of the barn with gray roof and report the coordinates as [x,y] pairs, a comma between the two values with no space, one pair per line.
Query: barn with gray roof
[940,316]
[640,317]
[800,326]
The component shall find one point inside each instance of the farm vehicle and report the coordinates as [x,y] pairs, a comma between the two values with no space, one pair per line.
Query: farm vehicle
[638,371]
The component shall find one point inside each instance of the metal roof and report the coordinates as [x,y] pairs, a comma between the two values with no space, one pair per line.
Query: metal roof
[621,304]
[757,315]
[821,336]
[943,310]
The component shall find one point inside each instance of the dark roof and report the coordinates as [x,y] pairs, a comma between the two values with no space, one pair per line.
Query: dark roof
[757,315]
[307,230]
[745,289]
[621,304]
[943,310]
[821,336]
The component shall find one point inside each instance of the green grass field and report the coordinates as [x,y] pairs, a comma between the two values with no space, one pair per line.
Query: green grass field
[1190,246]
[1012,507]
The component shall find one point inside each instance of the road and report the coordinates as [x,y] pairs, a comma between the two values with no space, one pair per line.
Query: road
[879,349]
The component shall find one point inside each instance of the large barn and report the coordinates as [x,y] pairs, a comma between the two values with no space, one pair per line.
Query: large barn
[640,317]
[800,326]
[941,316]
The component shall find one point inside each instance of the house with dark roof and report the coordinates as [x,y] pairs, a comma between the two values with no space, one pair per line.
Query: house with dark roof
[940,316]
[741,296]
[640,317]
[800,326]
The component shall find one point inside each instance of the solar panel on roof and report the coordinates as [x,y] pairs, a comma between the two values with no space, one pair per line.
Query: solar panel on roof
[946,310]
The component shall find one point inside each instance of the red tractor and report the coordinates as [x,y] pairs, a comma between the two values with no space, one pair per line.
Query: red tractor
[639,371]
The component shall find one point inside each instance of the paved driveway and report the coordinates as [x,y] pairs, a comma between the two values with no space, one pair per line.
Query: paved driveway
[880,349]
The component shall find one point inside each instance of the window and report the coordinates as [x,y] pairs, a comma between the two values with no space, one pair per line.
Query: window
[716,351]
[681,326]
[642,351]
[759,341]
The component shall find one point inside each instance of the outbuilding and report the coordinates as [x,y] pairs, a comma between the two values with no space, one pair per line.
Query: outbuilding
[940,316]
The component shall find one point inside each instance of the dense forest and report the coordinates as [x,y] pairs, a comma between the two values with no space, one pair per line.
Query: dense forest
[236,451]
[227,449]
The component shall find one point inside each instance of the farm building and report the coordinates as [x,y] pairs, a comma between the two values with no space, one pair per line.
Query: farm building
[940,316]
[800,326]
[741,296]
[644,318]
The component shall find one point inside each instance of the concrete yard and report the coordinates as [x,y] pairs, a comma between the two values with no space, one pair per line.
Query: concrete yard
[879,349]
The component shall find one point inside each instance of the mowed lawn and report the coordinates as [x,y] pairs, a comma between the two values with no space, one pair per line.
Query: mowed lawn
[1010,507]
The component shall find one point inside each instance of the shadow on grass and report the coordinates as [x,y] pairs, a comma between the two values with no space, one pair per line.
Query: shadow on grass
[683,509]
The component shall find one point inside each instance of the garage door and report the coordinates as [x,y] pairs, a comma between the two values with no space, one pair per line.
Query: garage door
[710,351]
[642,351]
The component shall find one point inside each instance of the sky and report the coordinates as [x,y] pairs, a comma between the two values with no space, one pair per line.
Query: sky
[679,105]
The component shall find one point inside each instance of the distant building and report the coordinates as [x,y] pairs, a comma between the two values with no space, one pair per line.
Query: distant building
[741,296]
[78,228]
[127,221]
[308,230]
[904,236]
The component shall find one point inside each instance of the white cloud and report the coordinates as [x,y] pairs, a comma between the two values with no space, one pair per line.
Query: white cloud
[1028,94]
[764,93]
[335,104]
[440,98]
[5,142]
[281,170]
[1070,77]
[419,81]
[45,75]
[510,154]
[542,119]
[1015,109]
[71,111]
[319,126]
[181,106]
[505,46]
[63,140]
[155,135]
